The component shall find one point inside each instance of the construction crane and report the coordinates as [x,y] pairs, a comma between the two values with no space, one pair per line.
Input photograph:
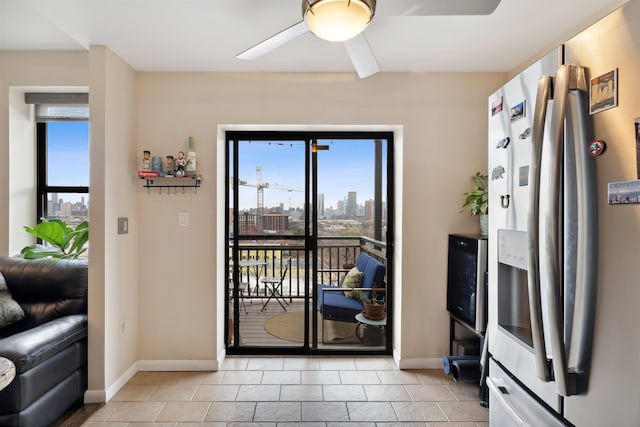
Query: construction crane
[260,186]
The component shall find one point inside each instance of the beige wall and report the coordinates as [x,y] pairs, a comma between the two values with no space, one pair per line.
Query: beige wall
[444,142]
[113,258]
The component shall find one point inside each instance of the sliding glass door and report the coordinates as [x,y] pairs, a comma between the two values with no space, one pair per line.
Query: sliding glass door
[302,208]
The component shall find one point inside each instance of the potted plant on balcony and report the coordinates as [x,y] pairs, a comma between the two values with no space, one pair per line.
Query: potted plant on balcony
[374,305]
[477,200]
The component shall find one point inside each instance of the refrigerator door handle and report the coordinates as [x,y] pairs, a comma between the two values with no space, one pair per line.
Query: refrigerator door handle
[587,237]
[552,250]
[569,78]
[543,96]
[498,390]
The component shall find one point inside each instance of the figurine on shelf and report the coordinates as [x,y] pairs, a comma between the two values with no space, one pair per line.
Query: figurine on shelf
[156,164]
[146,160]
[169,165]
[180,162]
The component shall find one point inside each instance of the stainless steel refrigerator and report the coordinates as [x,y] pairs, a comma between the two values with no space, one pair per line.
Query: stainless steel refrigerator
[564,288]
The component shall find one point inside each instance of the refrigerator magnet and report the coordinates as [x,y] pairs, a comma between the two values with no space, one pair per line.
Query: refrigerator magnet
[603,92]
[597,147]
[504,142]
[497,173]
[526,134]
[496,106]
[518,111]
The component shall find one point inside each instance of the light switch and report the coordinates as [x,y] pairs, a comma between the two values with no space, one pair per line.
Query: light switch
[123,225]
[183,219]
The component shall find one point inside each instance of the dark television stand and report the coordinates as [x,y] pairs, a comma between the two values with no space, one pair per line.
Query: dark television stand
[463,338]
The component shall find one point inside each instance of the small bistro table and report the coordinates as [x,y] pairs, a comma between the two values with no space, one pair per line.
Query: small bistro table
[367,338]
[7,372]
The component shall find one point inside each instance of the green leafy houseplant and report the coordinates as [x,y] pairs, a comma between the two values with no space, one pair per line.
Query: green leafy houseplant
[477,200]
[63,241]
[375,298]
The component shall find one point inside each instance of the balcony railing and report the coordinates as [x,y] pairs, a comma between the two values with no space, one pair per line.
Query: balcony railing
[336,255]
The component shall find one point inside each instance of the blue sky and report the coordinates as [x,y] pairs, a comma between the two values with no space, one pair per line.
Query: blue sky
[68,155]
[346,166]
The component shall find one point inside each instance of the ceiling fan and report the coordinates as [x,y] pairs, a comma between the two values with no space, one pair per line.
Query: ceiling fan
[345,21]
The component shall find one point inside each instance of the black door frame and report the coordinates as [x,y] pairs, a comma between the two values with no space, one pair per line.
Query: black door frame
[309,346]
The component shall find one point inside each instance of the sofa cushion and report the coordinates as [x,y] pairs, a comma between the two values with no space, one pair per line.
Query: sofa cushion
[45,289]
[10,310]
[373,274]
[29,348]
[336,305]
[353,279]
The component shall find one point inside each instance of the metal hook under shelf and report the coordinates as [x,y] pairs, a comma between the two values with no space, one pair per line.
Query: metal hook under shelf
[150,183]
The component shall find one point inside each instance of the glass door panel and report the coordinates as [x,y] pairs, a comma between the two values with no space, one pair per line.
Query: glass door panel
[351,206]
[267,248]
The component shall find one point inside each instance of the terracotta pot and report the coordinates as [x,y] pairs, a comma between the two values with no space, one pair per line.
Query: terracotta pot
[374,311]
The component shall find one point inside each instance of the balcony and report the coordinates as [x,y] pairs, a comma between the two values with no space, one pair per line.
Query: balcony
[335,255]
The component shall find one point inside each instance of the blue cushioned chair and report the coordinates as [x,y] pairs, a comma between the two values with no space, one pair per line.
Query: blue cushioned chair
[335,305]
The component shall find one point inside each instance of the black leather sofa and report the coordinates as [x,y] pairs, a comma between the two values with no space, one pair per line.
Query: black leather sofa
[49,345]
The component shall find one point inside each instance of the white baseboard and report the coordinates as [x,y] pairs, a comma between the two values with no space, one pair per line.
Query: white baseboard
[221,357]
[95,396]
[102,396]
[115,387]
[417,362]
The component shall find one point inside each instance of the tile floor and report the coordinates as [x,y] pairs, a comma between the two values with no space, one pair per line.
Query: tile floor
[278,392]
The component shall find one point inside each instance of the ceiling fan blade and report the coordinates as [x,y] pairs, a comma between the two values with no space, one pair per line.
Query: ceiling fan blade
[435,7]
[362,56]
[274,41]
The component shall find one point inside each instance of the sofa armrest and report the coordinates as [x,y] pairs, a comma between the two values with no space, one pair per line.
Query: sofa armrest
[29,348]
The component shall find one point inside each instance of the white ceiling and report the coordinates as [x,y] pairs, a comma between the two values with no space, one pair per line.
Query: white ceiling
[206,35]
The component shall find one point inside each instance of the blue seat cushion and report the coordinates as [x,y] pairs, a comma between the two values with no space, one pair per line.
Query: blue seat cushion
[337,306]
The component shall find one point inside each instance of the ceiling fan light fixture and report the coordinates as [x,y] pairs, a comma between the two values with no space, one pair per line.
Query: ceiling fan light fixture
[338,20]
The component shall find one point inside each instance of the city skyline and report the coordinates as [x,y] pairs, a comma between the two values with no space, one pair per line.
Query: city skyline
[348,166]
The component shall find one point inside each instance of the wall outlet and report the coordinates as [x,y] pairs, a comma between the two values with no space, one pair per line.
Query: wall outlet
[123,326]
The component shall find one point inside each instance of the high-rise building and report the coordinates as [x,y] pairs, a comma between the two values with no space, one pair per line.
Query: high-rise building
[352,205]
[321,205]
[246,224]
[369,209]
[275,222]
